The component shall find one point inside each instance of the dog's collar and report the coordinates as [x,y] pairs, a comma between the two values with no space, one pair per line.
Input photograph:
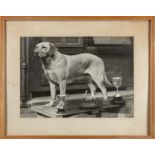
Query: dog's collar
[47,56]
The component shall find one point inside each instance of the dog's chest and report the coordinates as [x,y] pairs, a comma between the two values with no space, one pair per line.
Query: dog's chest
[52,76]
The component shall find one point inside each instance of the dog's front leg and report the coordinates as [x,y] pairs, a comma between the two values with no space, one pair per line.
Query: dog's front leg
[53,94]
[62,95]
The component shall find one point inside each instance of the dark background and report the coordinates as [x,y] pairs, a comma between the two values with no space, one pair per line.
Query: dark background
[116,52]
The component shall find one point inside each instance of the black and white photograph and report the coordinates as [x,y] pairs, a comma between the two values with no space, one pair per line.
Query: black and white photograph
[77,77]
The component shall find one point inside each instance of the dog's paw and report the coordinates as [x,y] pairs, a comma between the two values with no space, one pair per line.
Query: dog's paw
[60,105]
[105,100]
[50,104]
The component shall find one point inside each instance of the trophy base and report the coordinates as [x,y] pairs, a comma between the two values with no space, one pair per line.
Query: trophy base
[118,101]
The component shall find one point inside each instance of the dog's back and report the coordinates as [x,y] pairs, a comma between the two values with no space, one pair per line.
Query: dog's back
[82,63]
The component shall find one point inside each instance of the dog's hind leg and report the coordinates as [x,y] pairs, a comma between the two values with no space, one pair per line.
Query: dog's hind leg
[99,81]
[103,89]
[92,88]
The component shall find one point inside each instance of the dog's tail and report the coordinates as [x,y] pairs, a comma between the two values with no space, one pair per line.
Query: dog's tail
[107,81]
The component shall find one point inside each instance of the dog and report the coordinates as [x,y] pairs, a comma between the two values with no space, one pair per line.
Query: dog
[62,69]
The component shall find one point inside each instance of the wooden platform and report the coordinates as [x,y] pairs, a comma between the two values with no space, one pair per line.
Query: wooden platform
[74,104]
[74,110]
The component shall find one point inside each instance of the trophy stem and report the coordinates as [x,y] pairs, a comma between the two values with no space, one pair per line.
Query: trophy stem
[117,89]
[117,92]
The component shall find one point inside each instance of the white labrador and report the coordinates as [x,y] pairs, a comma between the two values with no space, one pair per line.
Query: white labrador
[62,69]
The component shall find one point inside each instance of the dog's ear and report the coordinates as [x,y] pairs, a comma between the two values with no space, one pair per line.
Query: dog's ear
[52,50]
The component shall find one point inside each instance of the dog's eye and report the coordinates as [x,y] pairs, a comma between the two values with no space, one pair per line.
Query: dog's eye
[43,47]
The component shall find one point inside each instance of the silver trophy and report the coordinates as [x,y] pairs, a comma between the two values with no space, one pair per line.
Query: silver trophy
[117,82]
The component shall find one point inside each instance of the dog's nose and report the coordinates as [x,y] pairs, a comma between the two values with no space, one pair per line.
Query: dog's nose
[34,54]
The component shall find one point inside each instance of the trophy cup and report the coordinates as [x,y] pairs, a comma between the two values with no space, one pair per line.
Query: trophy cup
[117,99]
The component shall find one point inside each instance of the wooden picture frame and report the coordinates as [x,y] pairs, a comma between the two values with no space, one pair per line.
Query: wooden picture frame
[3,91]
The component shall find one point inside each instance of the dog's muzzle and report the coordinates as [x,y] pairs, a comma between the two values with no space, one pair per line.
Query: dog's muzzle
[35,54]
[39,54]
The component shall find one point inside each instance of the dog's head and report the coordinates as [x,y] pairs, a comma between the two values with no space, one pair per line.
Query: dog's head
[44,49]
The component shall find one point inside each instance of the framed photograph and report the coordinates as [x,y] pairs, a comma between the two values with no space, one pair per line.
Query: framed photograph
[77,77]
